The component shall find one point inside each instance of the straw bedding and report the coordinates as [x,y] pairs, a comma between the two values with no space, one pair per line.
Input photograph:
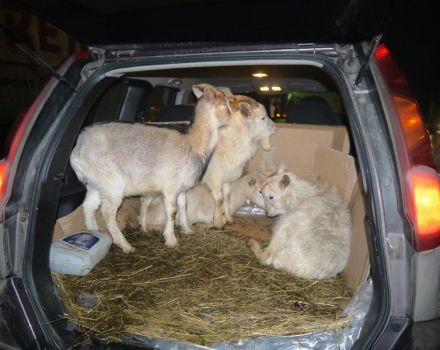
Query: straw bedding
[210,289]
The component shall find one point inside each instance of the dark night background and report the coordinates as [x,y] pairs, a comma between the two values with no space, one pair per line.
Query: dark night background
[410,31]
[413,36]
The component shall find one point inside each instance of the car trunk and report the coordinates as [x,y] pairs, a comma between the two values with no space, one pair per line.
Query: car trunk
[307,149]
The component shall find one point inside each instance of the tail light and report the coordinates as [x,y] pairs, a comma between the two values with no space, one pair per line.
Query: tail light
[421,179]
[3,174]
[424,192]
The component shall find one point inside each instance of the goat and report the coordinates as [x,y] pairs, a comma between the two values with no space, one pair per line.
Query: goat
[116,160]
[311,238]
[250,126]
[201,204]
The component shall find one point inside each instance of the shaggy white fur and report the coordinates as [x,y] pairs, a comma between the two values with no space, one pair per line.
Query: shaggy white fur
[311,238]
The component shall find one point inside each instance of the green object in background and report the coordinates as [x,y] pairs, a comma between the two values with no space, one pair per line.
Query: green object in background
[332,98]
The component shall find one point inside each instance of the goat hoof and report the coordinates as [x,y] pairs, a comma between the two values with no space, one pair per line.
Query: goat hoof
[171,244]
[252,243]
[128,249]
[218,224]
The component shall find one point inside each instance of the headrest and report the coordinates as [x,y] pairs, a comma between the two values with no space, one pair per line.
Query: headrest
[176,113]
[313,110]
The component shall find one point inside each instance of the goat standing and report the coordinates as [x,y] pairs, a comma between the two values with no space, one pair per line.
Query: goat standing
[116,160]
[250,126]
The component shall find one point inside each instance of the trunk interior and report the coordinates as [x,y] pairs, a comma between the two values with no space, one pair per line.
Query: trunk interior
[314,140]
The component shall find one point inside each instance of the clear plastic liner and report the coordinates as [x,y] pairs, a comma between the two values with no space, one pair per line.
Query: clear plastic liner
[250,209]
[338,340]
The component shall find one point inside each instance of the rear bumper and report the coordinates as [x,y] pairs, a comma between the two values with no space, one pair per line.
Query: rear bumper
[426,272]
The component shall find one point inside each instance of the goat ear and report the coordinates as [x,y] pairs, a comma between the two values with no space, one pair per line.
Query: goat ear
[245,109]
[252,181]
[230,103]
[198,91]
[227,91]
[206,90]
[285,181]
[281,169]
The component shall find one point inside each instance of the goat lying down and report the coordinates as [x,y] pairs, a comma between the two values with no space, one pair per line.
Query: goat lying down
[116,160]
[201,204]
[311,238]
[250,127]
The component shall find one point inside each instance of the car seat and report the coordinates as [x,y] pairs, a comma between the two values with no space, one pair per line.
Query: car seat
[313,110]
[126,100]
[176,113]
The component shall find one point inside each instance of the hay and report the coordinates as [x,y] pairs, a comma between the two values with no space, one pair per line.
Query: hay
[210,289]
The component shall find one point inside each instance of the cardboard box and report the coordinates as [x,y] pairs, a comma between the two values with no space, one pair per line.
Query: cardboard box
[306,150]
[296,146]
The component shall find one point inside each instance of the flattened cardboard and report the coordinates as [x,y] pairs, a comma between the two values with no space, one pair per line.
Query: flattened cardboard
[358,265]
[296,145]
[340,170]
[337,169]
[70,223]
[74,222]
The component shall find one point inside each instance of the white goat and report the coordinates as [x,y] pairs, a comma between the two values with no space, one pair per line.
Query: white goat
[250,126]
[311,238]
[115,160]
[201,204]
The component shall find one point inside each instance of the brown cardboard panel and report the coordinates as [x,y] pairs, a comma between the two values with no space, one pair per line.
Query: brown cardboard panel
[358,265]
[74,222]
[340,170]
[70,223]
[337,169]
[296,145]
[341,141]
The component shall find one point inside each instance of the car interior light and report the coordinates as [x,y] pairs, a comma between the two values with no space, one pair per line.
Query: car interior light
[276,88]
[264,88]
[259,75]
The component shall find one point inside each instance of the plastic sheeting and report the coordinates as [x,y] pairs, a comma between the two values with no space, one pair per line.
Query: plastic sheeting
[338,340]
[250,209]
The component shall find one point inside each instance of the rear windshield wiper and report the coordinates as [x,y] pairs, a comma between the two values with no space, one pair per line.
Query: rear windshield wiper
[36,58]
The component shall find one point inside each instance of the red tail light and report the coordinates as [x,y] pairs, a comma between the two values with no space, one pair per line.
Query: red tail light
[422,184]
[3,174]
